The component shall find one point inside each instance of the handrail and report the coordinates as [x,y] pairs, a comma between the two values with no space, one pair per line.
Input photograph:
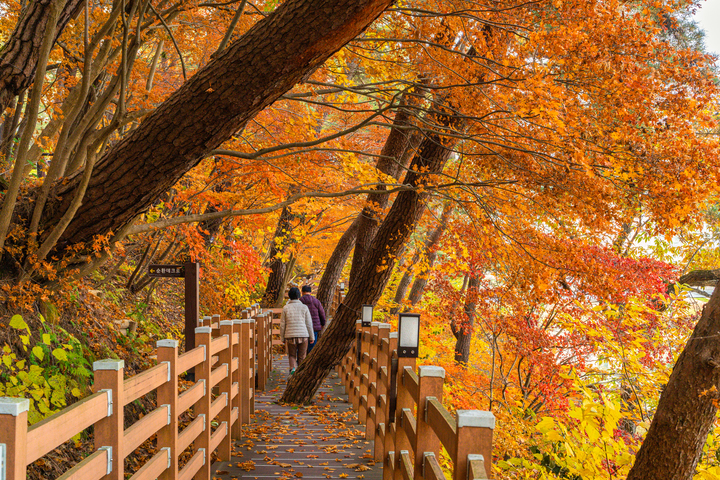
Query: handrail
[237,347]
[386,390]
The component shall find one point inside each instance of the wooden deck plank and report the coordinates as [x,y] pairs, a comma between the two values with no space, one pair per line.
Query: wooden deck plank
[320,441]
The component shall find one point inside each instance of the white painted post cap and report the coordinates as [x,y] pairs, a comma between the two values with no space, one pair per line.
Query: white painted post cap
[374,324]
[247,320]
[226,322]
[393,334]
[108,364]
[236,321]
[431,371]
[358,322]
[13,406]
[167,342]
[475,418]
[384,325]
[203,330]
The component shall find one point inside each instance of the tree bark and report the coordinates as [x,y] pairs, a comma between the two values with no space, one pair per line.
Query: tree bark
[393,161]
[276,280]
[19,55]
[431,248]
[377,267]
[275,54]
[403,285]
[463,330]
[687,408]
[335,265]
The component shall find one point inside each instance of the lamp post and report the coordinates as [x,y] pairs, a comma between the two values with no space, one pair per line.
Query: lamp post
[367,315]
[409,335]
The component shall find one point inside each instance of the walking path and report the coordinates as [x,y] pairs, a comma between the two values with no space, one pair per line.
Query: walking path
[319,441]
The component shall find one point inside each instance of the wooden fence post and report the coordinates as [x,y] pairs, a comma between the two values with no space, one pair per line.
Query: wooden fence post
[245,368]
[260,324]
[378,361]
[167,394]
[109,432]
[430,385]
[390,426]
[404,400]
[203,337]
[237,379]
[253,370]
[225,387]
[474,436]
[13,437]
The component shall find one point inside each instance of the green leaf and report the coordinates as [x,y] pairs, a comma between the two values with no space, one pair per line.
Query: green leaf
[60,354]
[38,352]
[17,322]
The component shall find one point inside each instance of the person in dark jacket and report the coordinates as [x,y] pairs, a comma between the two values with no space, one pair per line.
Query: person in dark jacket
[317,312]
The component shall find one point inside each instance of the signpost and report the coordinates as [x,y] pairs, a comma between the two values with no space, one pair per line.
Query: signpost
[191,272]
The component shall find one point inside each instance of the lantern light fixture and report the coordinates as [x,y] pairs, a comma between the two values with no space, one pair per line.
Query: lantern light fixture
[367,315]
[409,335]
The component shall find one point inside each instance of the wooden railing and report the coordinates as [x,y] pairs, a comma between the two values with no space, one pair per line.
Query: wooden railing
[225,372]
[404,414]
[337,299]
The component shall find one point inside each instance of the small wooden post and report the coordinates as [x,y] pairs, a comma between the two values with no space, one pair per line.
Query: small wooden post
[13,437]
[371,386]
[430,384]
[474,436]
[260,323]
[203,336]
[389,440]
[225,387]
[192,303]
[253,369]
[354,393]
[167,394]
[404,400]
[237,380]
[109,432]
[216,321]
[381,360]
[245,368]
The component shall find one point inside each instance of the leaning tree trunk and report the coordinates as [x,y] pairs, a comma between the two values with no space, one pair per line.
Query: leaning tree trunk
[387,245]
[688,405]
[463,330]
[394,157]
[403,285]
[276,280]
[335,265]
[20,54]
[264,63]
[431,248]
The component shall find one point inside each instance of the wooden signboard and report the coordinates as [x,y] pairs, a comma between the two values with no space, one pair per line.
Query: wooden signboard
[166,271]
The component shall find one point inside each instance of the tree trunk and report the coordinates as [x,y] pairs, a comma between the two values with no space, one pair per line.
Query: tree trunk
[275,54]
[395,155]
[377,267]
[687,408]
[431,248]
[19,55]
[463,330]
[335,265]
[403,285]
[276,280]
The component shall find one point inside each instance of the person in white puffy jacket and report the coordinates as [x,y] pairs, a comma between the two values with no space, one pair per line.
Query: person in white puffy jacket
[296,329]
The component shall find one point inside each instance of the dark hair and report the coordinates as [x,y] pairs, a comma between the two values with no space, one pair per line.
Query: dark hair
[307,288]
[294,293]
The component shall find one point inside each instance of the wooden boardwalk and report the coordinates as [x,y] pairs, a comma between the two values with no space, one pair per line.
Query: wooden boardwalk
[320,441]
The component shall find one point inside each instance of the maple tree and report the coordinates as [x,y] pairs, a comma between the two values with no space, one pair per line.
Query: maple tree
[577,130]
